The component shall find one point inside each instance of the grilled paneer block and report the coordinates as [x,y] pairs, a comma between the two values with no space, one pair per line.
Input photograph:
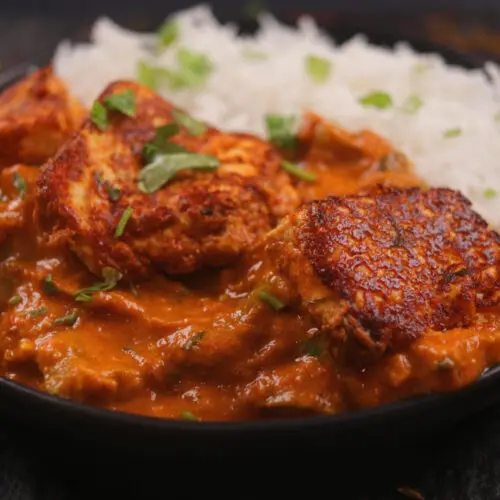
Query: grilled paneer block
[384,268]
[37,115]
[90,190]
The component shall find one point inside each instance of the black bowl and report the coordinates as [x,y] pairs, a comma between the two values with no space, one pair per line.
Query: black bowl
[64,423]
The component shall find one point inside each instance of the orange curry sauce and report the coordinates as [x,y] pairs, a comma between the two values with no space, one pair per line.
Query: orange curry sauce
[193,348]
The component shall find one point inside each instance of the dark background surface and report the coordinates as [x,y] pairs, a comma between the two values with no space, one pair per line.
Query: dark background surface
[460,464]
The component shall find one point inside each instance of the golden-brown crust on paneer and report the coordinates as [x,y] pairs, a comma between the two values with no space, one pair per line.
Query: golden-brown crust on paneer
[402,261]
[198,219]
[37,115]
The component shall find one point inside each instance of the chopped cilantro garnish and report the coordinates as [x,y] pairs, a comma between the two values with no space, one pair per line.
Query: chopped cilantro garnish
[19,183]
[313,347]
[15,300]
[452,132]
[193,70]
[490,193]
[194,341]
[151,76]
[147,75]
[187,415]
[280,130]
[111,278]
[192,126]
[161,144]
[298,172]
[120,228]
[69,320]
[35,312]
[123,102]
[99,115]
[271,300]
[318,68]
[496,117]
[412,104]
[112,191]
[167,34]
[165,167]
[49,287]
[377,99]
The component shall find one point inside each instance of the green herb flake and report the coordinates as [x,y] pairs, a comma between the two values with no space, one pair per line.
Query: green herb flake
[112,191]
[197,63]
[412,104]
[193,70]
[15,300]
[99,115]
[280,130]
[313,347]
[151,76]
[20,184]
[167,34]
[147,75]
[150,151]
[163,135]
[410,493]
[194,341]
[445,364]
[496,117]
[165,167]
[253,54]
[318,68]
[123,102]
[377,99]
[111,278]
[49,287]
[271,300]
[161,144]
[450,277]
[293,169]
[490,193]
[192,126]
[452,132]
[68,320]
[120,228]
[187,415]
[35,312]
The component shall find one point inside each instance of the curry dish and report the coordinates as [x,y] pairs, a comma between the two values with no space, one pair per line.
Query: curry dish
[156,265]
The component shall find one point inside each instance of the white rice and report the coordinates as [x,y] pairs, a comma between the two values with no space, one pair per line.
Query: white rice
[241,91]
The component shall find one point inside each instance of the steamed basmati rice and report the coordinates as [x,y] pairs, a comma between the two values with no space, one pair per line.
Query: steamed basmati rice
[242,90]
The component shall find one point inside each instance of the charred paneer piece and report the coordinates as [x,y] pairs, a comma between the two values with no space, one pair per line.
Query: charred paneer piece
[37,115]
[384,268]
[199,218]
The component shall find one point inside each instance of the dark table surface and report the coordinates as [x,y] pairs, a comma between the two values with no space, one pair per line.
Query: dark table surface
[462,464]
